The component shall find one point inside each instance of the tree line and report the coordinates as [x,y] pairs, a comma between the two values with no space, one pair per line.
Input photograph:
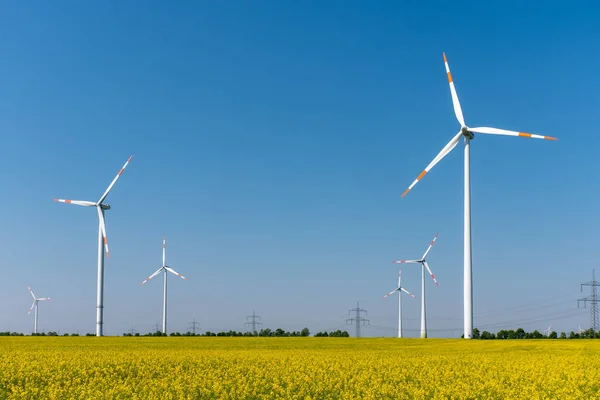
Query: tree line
[520,333]
[8,333]
[262,333]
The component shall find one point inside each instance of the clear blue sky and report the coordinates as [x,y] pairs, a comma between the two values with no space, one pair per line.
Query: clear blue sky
[271,142]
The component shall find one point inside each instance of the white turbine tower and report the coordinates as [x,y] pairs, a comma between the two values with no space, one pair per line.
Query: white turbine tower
[166,269]
[399,289]
[424,265]
[467,132]
[35,305]
[102,242]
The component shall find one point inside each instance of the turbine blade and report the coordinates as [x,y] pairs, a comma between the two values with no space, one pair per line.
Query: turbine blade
[431,273]
[171,270]
[31,309]
[103,227]
[430,246]
[153,275]
[391,293]
[447,149]
[30,291]
[399,278]
[113,182]
[76,202]
[407,261]
[496,131]
[408,293]
[455,102]
[44,298]
[164,249]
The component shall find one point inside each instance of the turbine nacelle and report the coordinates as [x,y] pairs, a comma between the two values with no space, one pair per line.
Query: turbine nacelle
[104,206]
[466,132]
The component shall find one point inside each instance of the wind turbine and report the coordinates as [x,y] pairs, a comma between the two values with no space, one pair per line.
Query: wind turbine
[399,289]
[164,268]
[579,331]
[547,330]
[35,305]
[102,242]
[467,132]
[424,265]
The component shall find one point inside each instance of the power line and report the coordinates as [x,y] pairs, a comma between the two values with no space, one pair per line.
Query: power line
[358,320]
[593,299]
[156,327]
[254,322]
[132,331]
[514,322]
[512,310]
[193,324]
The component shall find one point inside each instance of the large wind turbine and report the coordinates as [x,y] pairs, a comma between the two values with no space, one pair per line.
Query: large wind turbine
[468,135]
[102,242]
[35,305]
[399,289]
[424,265]
[164,268]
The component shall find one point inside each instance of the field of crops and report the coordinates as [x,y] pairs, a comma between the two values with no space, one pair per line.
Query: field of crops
[296,368]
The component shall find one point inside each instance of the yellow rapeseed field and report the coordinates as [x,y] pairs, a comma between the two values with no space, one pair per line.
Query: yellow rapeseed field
[296,368]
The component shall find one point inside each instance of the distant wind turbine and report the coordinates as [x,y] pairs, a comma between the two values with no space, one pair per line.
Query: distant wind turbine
[548,330]
[399,289]
[164,268]
[36,300]
[467,133]
[424,265]
[102,242]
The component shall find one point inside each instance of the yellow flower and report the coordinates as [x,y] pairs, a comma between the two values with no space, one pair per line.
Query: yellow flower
[295,368]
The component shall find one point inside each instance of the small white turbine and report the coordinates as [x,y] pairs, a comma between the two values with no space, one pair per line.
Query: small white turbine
[164,268]
[424,265]
[35,305]
[400,289]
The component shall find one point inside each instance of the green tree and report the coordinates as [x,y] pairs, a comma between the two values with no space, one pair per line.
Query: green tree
[265,332]
[536,335]
[485,335]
